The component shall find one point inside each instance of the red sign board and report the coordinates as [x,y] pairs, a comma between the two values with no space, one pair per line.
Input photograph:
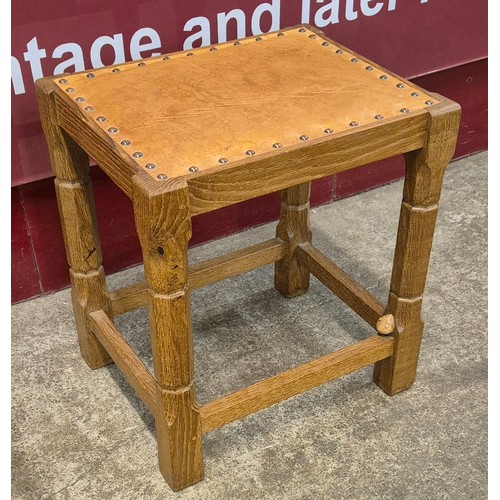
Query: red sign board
[410,37]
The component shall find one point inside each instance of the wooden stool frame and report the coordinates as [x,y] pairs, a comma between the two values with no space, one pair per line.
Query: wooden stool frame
[163,212]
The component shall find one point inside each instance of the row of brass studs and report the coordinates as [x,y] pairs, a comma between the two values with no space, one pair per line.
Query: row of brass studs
[368,68]
[111,130]
[167,58]
[152,166]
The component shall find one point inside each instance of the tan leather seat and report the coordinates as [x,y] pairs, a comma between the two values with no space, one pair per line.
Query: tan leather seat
[176,117]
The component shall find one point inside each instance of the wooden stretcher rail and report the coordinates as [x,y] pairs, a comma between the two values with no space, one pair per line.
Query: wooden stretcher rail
[204,273]
[295,381]
[341,284]
[132,368]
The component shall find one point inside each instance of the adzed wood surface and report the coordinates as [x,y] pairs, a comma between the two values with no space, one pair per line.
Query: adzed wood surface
[295,381]
[79,226]
[341,284]
[203,273]
[164,228]
[291,278]
[132,368]
[422,188]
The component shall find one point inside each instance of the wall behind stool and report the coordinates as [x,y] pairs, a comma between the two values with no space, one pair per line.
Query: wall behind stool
[38,258]
[47,38]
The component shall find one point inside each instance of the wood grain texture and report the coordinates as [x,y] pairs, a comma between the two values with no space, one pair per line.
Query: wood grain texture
[88,294]
[242,180]
[397,373]
[79,227]
[179,435]
[295,381]
[78,221]
[413,250]
[164,227]
[341,284]
[291,278]
[132,368]
[69,162]
[424,175]
[204,273]
[234,263]
[119,167]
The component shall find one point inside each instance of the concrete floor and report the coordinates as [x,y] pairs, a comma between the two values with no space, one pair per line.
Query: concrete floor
[82,434]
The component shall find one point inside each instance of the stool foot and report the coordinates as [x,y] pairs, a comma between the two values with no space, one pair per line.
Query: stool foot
[88,294]
[178,428]
[291,278]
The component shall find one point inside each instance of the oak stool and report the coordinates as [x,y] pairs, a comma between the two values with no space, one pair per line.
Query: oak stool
[191,132]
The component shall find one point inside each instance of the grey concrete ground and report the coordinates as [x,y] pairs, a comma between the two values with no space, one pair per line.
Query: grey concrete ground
[82,434]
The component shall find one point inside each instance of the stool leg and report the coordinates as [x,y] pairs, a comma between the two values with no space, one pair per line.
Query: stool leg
[290,278]
[422,188]
[164,226]
[78,220]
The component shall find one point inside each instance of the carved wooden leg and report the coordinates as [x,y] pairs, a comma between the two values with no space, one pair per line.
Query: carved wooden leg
[422,188]
[77,211]
[164,227]
[290,277]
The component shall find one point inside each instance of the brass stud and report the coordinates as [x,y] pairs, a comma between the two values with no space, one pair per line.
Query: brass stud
[193,169]
[250,152]
[150,166]
[90,75]
[404,110]
[259,39]
[400,85]
[237,43]
[339,51]
[354,60]
[166,58]
[354,124]
[369,68]
[115,70]
[302,30]
[137,154]
[89,108]
[162,177]
[223,160]
[379,117]
[70,89]
[313,37]
[383,77]
[125,143]
[190,54]
[63,81]
[280,34]
[141,64]
[112,130]
[79,99]
[277,145]
[101,119]
[213,49]
[325,44]
[304,138]
[414,94]
[328,131]
[429,103]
